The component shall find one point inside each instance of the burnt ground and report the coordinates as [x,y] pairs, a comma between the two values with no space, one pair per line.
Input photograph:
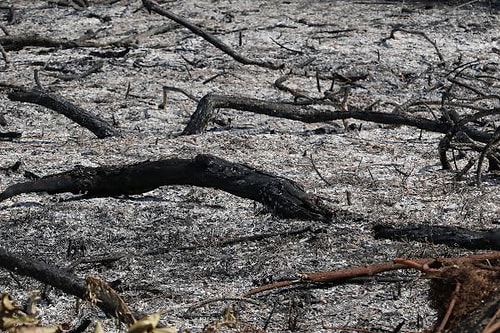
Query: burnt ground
[392,173]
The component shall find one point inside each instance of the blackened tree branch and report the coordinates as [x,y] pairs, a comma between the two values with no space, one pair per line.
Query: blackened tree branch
[9,136]
[453,236]
[281,196]
[62,280]
[18,42]
[57,103]
[154,7]
[308,114]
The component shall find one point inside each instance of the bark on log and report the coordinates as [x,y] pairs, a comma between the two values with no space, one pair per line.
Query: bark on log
[281,196]
[453,236]
[57,103]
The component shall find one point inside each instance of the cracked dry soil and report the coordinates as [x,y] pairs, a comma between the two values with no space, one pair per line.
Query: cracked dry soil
[392,173]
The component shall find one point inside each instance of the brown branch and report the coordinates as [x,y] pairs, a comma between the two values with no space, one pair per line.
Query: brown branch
[449,309]
[154,7]
[329,277]
[57,103]
[281,196]
[321,278]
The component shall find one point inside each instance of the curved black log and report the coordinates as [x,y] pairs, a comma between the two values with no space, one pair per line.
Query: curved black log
[281,196]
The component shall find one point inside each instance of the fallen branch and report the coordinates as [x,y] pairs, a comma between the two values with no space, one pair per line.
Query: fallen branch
[18,42]
[281,196]
[478,276]
[9,136]
[152,6]
[57,103]
[321,278]
[94,69]
[453,236]
[65,281]
[205,110]
[418,33]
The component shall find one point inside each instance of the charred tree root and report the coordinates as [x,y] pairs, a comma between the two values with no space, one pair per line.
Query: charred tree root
[103,297]
[82,117]
[281,196]
[475,240]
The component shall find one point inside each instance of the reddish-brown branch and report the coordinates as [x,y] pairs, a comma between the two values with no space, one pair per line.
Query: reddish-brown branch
[449,310]
[335,276]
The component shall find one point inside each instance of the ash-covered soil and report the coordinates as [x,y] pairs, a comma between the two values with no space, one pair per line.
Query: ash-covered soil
[173,235]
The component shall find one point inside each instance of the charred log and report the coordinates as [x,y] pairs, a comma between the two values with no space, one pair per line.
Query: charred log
[453,236]
[281,196]
[308,114]
[9,136]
